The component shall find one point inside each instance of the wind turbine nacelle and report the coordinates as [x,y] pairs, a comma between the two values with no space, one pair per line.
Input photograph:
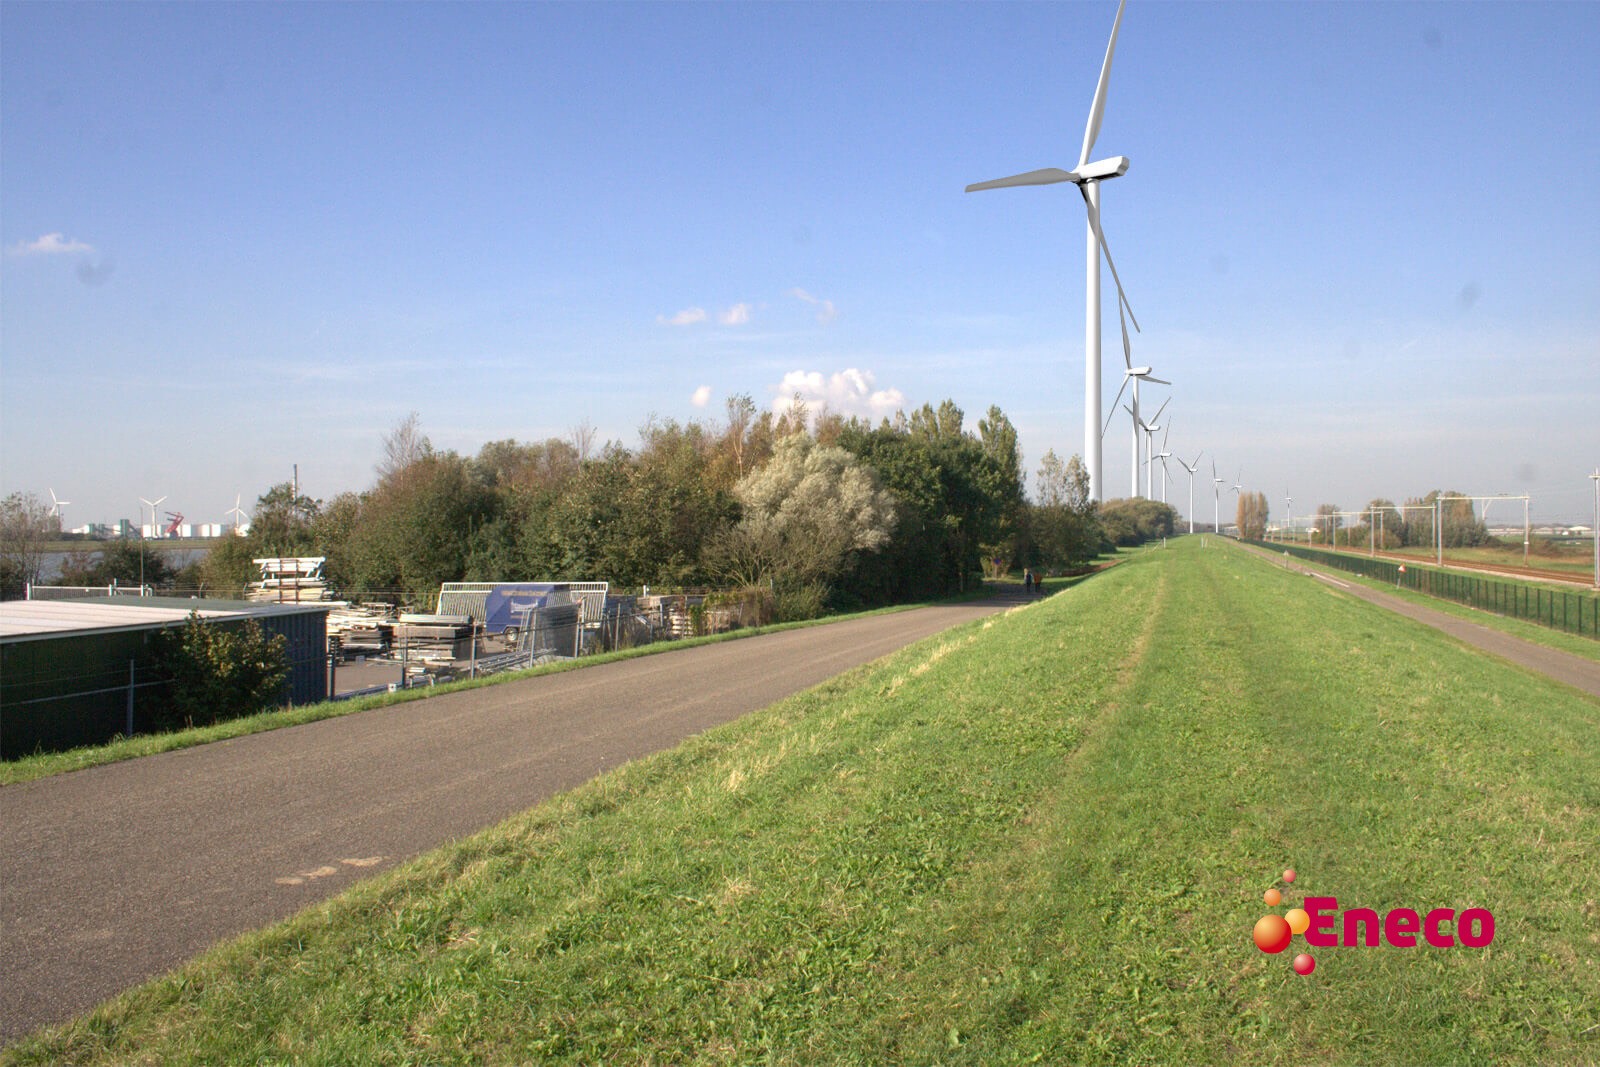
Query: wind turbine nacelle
[1113,167]
[1137,372]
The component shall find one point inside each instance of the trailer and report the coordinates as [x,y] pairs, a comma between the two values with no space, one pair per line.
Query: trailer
[499,606]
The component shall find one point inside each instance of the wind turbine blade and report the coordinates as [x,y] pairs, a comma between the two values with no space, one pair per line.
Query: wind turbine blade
[1153,378]
[1154,418]
[1127,349]
[1107,426]
[1047,176]
[1164,435]
[1094,224]
[1097,110]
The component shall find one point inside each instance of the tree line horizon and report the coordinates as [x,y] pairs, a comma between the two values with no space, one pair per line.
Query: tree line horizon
[826,513]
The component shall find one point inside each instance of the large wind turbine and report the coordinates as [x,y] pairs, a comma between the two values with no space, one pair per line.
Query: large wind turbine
[1191,468]
[238,513]
[1087,177]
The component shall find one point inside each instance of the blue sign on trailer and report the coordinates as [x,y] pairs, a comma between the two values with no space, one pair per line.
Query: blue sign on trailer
[507,605]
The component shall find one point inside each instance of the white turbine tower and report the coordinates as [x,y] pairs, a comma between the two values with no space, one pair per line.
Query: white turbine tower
[1216,499]
[1163,456]
[56,504]
[1150,429]
[1191,468]
[1238,487]
[155,531]
[1087,177]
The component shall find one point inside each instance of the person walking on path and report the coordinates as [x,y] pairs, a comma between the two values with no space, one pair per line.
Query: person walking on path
[1027,581]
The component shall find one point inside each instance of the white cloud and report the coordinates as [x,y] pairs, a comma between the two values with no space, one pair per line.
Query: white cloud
[737,315]
[51,244]
[686,317]
[701,397]
[826,312]
[848,392]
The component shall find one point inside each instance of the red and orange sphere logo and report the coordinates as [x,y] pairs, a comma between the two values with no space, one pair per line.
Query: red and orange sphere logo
[1274,932]
[1324,925]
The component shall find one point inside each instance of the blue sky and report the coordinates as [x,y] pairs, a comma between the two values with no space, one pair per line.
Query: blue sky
[1363,240]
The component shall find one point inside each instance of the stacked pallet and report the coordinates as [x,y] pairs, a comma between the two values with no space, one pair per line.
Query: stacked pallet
[434,638]
[290,580]
[362,629]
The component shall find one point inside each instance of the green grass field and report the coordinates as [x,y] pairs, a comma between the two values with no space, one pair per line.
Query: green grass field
[1041,838]
[1583,646]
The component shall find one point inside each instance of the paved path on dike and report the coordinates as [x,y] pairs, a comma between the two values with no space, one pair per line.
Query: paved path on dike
[1580,673]
[116,874]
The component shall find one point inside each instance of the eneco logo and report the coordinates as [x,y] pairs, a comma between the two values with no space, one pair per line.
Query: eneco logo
[1357,927]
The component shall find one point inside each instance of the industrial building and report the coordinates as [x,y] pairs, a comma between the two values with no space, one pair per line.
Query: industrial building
[80,672]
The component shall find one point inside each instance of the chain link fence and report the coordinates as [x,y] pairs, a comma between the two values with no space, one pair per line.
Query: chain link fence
[1572,612]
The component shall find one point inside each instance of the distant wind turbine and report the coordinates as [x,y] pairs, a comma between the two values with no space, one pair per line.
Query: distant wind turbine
[237,512]
[154,529]
[1163,456]
[1238,487]
[1087,177]
[1191,468]
[1216,504]
[1150,429]
[56,504]
[1135,375]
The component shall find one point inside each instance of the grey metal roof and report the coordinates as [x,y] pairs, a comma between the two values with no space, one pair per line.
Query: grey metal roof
[27,620]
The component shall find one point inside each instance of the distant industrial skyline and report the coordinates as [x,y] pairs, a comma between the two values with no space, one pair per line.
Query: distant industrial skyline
[1363,240]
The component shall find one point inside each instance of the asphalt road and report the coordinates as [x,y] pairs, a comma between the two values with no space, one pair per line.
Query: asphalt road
[113,875]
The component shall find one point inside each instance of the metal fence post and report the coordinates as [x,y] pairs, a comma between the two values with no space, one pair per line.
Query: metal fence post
[129,731]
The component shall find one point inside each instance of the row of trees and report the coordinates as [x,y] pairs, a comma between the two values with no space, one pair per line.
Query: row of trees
[823,511]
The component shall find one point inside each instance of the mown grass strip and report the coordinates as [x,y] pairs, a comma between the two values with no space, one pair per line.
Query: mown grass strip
[1578,645]
[1040,838]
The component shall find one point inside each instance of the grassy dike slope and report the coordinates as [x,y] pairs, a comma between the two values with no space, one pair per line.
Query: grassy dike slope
[1039,838]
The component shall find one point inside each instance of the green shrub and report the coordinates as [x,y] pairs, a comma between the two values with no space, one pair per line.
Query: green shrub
[796,603]
[219,672]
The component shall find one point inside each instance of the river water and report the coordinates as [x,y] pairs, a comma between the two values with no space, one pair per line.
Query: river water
[176,558]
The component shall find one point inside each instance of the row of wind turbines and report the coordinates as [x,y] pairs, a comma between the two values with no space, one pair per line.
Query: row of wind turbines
[1087,176]
[57,512]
